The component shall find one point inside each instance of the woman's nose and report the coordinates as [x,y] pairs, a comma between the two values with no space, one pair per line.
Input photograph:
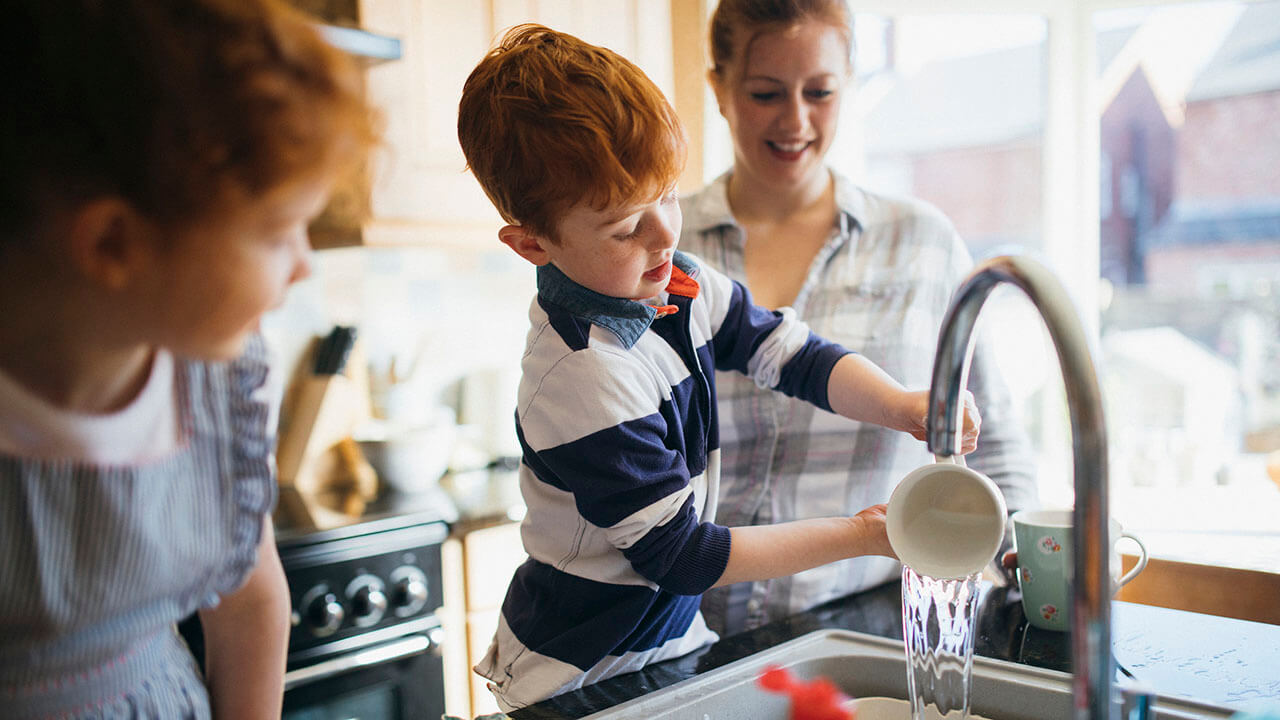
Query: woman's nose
[794,115]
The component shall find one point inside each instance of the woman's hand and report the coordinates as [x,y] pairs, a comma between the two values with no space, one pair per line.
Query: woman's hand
[915,418]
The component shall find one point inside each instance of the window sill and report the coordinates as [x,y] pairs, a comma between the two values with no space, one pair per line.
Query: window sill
[1210,589]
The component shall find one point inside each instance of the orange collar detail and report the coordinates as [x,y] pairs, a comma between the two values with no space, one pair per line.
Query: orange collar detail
[664,310]
[681,284]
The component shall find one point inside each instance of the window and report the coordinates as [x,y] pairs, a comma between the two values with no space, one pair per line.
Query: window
[1190,330]
[1132,148]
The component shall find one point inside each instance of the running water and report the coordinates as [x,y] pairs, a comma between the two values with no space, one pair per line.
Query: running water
[937,628]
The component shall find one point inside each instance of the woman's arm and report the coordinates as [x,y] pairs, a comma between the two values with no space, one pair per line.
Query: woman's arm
[761,552]
[246,639]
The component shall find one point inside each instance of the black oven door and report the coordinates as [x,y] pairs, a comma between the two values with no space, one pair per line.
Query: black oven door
[402,679]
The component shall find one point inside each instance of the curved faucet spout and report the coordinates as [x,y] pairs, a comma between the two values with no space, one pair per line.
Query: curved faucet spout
[1091,588]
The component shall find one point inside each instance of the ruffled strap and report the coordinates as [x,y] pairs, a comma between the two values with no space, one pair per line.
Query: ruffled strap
[252,484]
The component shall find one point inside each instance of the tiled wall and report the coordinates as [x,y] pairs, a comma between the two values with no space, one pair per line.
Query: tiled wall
[443,313]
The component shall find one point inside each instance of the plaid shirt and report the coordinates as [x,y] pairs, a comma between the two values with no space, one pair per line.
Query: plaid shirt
[879,286]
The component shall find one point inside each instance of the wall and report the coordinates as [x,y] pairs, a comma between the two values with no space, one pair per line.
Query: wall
[1230,148]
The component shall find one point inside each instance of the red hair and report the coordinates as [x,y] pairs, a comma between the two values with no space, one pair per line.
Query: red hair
[547,121]
[735,23]
[176,106]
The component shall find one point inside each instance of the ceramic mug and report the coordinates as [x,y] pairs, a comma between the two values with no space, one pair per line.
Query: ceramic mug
[1043,541]
[946,520]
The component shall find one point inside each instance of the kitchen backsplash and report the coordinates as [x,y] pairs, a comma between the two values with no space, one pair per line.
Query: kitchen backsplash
[436,317]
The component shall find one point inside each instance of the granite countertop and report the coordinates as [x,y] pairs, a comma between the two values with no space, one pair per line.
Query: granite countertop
[1202,657]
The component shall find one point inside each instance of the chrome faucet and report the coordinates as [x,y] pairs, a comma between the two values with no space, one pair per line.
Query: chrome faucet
[1092,661]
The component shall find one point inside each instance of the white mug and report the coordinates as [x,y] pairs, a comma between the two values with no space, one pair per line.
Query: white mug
[946,520]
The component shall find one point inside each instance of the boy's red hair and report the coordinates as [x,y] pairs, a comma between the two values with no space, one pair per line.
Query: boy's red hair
[547,121]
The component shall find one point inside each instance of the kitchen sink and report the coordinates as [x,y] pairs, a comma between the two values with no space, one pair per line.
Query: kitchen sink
[865,666]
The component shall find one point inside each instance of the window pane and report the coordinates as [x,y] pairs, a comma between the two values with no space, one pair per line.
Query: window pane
[1190,258]
[950,108]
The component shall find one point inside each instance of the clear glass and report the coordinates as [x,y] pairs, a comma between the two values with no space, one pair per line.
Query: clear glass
[1190,273]
[938,619]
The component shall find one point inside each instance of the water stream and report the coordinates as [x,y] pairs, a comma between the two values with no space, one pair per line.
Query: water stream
[938,618]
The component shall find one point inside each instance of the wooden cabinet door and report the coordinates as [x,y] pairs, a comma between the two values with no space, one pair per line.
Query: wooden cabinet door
[420,190]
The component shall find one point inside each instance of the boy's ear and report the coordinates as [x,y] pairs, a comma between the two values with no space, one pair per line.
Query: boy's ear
[109,242]
[528,245]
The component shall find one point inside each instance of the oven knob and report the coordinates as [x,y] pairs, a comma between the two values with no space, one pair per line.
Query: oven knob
[368,601]
[408,590]
[324,613]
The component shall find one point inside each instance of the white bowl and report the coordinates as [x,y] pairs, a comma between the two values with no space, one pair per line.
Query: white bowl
[410,459]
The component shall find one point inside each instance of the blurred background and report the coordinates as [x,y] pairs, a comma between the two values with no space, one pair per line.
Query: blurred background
[1132,148]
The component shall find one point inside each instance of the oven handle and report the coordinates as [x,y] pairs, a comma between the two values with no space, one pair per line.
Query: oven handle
[390,652]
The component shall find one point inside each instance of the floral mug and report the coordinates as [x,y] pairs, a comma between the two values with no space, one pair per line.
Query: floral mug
[1043,541]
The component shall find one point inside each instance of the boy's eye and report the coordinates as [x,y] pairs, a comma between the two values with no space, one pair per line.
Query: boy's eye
[630,234]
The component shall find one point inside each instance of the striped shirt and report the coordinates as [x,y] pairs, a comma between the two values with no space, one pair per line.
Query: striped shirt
[879,286]
[99,560]
[617,423]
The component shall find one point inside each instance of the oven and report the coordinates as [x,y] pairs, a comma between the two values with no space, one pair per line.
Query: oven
[365,640]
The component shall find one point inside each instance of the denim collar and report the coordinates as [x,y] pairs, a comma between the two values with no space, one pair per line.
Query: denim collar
[628,319]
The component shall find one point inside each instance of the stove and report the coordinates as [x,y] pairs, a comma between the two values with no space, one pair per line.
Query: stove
[366,640]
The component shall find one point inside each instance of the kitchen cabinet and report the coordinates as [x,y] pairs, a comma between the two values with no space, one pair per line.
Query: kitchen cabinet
[480,560]
[417,189]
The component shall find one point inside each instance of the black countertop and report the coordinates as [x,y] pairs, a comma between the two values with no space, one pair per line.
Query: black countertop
[1202,657]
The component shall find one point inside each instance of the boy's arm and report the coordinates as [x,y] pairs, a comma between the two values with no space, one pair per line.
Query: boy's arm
[596,428]
[777,350]
[860,390]
[761,552]
[246,639]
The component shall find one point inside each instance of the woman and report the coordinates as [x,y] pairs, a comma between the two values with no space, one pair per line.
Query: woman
[872,272]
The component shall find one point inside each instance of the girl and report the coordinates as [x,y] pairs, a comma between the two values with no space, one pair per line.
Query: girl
[870,272]
[161,161]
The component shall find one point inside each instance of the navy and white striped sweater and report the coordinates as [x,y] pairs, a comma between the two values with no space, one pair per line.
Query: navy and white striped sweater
[617,422]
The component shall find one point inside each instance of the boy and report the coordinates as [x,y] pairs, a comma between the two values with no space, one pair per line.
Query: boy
[616,413]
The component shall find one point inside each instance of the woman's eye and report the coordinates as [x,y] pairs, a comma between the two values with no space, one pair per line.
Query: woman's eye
[764,96]
[820,94]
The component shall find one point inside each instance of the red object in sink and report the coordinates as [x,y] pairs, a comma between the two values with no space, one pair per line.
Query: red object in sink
[817,699]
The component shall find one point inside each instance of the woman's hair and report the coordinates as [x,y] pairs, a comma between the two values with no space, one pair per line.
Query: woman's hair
[735,23]
[177,106]
[547,120]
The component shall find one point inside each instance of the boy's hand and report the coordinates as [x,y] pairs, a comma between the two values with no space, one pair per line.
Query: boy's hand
[873,533]
[917,404]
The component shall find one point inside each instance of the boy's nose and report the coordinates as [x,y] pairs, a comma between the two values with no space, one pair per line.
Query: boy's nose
[664,236]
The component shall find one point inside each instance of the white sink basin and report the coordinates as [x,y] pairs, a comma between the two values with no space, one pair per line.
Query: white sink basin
[865,666]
